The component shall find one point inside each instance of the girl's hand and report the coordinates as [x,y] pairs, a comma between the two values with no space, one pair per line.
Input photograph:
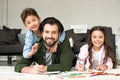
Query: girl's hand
[102,67]
[80,67]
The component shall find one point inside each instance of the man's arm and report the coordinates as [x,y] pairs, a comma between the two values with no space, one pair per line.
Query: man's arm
[35,69]
[22,63]
[24,66]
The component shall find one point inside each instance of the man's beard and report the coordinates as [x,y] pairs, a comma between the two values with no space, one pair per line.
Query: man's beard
[49,44]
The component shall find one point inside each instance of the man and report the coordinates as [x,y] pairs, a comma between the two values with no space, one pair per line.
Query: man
[60,60]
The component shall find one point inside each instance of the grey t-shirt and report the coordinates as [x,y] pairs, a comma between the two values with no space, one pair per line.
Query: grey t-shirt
[48,58]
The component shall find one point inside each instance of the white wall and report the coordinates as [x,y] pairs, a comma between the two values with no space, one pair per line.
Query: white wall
[3,12]
[0,13]
[69,12]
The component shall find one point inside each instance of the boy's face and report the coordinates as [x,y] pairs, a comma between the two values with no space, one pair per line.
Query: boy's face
[32,23]
[50,34]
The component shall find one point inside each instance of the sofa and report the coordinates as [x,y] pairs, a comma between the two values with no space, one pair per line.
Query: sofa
[11,43]
[10,46]
[79,39]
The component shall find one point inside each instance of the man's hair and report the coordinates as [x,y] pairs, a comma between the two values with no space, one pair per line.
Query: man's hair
[52,21]
[28,12]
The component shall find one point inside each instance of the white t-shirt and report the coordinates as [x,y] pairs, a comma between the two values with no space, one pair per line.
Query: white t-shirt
[96,55]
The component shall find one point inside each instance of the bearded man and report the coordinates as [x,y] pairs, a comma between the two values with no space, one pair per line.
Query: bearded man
[58,60]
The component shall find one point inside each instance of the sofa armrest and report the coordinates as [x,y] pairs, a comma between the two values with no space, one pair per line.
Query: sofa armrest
[21,38]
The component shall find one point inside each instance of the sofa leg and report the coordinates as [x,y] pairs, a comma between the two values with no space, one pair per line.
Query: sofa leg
[9,60]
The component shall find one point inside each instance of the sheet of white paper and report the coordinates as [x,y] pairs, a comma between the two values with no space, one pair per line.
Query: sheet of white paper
[52,72]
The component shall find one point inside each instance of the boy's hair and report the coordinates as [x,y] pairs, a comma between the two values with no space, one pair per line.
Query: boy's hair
[28,12]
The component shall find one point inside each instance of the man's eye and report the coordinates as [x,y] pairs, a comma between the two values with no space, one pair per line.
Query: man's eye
[54,32]
[46,32]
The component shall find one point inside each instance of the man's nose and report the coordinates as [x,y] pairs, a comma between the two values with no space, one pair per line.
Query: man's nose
[50,35]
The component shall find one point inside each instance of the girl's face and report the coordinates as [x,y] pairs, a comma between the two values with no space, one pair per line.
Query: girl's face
[97,38]
[32,23]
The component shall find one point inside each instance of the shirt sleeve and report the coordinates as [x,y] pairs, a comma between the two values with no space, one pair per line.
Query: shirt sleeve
[109,63]
[62,36]
[29,41]
[83,54]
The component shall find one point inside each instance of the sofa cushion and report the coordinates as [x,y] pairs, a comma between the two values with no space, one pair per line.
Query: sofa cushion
[16,31]
[78,38]
[9,36]
[12,49]
[70,34]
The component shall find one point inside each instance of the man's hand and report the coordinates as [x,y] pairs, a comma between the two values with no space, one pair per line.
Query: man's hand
[31,69]
[36,69]
[43,68]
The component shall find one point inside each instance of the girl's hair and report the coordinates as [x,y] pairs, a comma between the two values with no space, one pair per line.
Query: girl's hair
[107,46]
[28,12]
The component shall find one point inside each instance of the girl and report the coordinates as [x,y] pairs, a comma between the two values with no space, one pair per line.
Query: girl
[97,53]
[31,21]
